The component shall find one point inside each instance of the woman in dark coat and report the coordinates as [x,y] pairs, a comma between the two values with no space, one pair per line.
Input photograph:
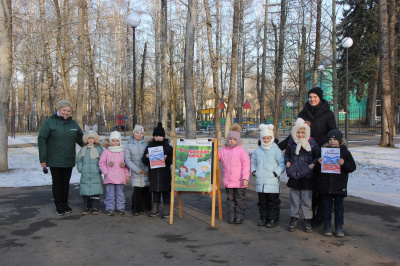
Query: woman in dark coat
[322,119]
[57,140]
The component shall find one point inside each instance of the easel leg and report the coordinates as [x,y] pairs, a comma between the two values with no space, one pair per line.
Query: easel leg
[180,204]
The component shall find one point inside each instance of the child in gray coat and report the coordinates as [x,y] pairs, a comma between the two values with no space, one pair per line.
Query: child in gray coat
[141,197]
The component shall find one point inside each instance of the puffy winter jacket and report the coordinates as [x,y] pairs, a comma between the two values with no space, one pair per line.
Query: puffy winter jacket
[113,174]
[236,166]
[337,183]
[160,178]
[91,182]
[133,159]
[266,163]
[299,173]
[57,141]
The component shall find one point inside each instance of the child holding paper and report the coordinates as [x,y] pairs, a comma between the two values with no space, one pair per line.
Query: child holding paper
[333,187]
[160,178]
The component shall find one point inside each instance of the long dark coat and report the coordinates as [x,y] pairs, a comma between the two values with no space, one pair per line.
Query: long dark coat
[160,178]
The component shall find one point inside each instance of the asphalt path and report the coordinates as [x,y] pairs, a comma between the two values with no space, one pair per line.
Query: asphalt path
[32,234]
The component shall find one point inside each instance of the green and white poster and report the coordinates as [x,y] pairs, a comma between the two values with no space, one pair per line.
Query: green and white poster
[193,165]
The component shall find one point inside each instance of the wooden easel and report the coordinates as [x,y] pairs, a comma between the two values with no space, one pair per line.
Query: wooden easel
[215,187]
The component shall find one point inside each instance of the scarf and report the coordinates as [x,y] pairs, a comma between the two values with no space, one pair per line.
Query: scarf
[302,143]
[116,148]
[93,151]
[266,146]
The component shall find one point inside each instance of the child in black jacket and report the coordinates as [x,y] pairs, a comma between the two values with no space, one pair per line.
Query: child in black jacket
[333,187]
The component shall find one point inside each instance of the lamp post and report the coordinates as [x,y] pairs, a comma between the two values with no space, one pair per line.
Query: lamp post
[347,43]
[320,69]
[98,100]
[133,20]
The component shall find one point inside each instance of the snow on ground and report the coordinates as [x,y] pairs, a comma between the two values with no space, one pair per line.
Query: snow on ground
[377,177]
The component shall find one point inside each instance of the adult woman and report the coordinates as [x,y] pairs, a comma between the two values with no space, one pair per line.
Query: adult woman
[322,119]
[57,140]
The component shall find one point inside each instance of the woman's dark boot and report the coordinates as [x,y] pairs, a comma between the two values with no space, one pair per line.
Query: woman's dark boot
[338,230]
[165,213]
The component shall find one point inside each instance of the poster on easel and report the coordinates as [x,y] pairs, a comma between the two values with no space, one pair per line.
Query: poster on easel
[193,166]
[195,170]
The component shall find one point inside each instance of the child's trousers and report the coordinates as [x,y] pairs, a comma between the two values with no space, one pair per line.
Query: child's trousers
[335,201]
[301,199]
[236,203]
[115,198]
[269,206]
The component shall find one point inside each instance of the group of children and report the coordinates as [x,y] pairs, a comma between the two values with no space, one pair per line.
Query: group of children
[301,160]
[119,165]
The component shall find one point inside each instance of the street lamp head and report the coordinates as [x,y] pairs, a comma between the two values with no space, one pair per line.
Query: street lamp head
[97,75]
[133,20]
[321,68]
[347,42]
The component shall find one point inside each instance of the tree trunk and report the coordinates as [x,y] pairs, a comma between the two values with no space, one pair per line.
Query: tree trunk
[371,101]
[188,70]
[5,77]
[264,65]
[164,64]
[232,79]
[384,68]
[317,44]
[80,92]
[302,68]
[141,93]
[279,72]
[214,67]
[172,83]
[335,86]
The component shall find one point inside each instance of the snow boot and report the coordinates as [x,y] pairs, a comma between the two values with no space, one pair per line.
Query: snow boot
[165,213]
[154,212]
[338,230]
[293,224]
[327,229]
[307,226]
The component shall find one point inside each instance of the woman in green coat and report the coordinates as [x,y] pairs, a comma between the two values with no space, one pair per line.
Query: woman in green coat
[87,163]
[57,140]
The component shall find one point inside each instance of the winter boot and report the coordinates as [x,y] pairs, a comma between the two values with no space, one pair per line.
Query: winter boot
[293,224]
[327,229]
[338,230]
[154,212]
[307,226]
[165,213]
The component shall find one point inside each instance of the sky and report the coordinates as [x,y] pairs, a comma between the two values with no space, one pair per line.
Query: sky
[377,177]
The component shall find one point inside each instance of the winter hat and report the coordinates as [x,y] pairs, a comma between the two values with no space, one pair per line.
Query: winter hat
[159,130]
[300,123]
[91,132]
[266,130]
[335,133]
[115,135]
[234,133]
[318,91]
[138,128]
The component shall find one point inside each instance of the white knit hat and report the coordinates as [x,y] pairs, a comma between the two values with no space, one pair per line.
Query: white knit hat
[266,130]
[300,123]
[115,135]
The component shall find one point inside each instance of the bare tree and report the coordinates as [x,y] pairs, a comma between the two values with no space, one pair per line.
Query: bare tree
[164,64]
[172,83]
[317,44]
[232,79]
[5,76]
[387,133]
[188,70]
[279,68]
[264,65]
[217,112]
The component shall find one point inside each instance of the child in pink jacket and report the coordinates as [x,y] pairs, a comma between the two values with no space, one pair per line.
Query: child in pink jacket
[235,175]
[112,165]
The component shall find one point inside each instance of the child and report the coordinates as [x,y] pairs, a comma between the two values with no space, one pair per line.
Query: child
[267,164]
[192,175]
[141,197]
[203,175]
[184,170]
[160,178]
[112,165]
[301,155]
[333,187]
[236,173]
[87,164]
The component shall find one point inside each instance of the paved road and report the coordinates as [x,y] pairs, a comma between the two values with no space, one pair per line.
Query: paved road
[31,234]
